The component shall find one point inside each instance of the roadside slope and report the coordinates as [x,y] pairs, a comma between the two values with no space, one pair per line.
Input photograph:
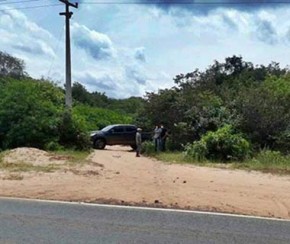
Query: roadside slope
[115,175]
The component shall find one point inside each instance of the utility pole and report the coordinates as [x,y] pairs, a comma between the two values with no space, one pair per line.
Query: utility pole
[68,14]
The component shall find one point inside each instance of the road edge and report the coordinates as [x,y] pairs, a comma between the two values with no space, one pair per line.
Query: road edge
[144,208]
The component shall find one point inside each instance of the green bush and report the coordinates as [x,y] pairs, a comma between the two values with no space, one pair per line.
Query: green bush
[223,144]
[53,146]
[72,132]
[148,148]
[29,113]
[268,157]
[282,142]
[197,150]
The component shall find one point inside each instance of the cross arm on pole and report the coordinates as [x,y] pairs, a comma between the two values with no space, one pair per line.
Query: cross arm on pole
[68,14]
[69,4]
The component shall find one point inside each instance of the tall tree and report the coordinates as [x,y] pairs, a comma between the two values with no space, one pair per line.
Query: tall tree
[11,66]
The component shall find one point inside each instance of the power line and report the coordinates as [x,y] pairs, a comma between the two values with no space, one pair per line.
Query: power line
[31,7]
[15,2]
[56,50]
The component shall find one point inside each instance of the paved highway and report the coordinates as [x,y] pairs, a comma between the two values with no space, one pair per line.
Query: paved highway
[28,221]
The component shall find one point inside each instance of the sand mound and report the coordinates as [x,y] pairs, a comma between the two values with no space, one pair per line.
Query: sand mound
[32,156]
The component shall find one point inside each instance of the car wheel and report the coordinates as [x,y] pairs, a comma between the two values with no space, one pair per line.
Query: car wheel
[99,144]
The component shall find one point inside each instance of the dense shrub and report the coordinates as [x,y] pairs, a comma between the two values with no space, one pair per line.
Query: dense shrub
[29,113]
[270,157]
[72,132]
[148,148]
[197,150]
[32,114]
[223,144]
[282,142]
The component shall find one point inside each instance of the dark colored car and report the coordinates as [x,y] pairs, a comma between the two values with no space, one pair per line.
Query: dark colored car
[117,135]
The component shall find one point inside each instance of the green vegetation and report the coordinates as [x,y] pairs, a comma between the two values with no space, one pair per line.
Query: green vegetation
[73,157]
[265,161]
[229,113]
[223,144]
[32,112]
[97,118]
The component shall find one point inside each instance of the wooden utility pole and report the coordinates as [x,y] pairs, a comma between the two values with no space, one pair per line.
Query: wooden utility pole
[68,14]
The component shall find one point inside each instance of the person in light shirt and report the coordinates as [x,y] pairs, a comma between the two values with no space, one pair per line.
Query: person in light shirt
[156,137]
[138,142]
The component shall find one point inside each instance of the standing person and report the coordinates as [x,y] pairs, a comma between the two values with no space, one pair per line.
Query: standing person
[163,136]
[156,137]
[138,142]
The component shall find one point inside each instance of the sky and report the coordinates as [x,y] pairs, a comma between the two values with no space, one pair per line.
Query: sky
[126,48]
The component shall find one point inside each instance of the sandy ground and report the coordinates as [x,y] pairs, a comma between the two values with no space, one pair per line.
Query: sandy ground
[115,175]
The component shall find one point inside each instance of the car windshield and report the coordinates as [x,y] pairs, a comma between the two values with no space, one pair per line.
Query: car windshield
[107,128]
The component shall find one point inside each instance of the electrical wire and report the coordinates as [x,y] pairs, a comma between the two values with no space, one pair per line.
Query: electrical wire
[31,7]
[15,2]
[61,34]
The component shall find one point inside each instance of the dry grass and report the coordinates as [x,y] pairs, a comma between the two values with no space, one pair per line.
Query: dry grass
[26,167]
[13,177]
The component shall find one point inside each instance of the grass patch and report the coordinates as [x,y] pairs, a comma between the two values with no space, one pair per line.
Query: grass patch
[25,167]
[2,156]
[179,158]
[265,161]
[13,177]
[73,157]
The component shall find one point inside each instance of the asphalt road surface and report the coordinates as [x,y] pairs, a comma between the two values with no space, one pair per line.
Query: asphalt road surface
[28,221]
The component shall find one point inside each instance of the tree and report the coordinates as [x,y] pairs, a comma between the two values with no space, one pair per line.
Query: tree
[265,111]
[81,95]
[11,66]
[253,99]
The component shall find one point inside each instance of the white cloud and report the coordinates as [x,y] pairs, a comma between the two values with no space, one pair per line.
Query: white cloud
[126,50]
[98,45]
[26,40]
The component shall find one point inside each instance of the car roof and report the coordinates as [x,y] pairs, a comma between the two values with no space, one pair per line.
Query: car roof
[123,125]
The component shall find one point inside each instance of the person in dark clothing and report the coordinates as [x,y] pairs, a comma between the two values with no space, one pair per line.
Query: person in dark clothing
[163,136]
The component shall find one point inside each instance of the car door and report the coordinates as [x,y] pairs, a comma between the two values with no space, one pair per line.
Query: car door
[130,133]
[116,135]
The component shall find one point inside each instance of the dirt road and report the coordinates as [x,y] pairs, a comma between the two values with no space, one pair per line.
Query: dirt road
[115,175]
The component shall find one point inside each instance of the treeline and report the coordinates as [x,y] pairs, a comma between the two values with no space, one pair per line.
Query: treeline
[229,111]
[129,106]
